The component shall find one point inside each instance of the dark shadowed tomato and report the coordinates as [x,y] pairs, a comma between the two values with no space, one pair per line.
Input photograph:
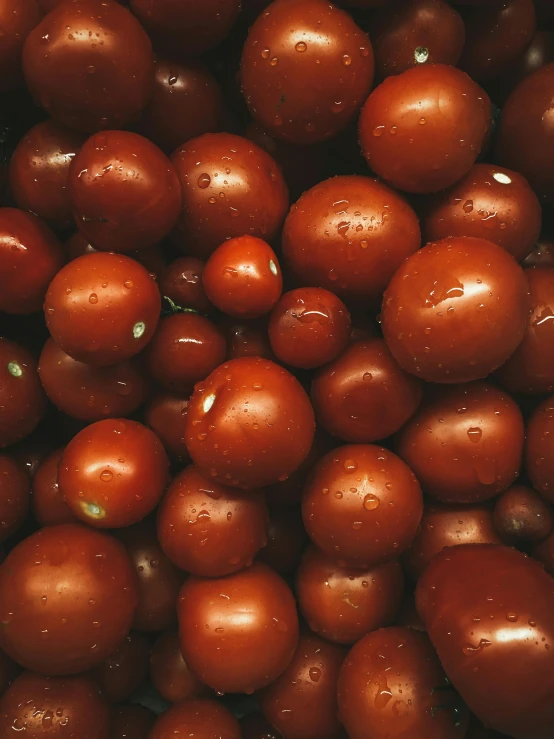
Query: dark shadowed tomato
[124,670]
[49,507]
[131,722]
[488,611]
[169,672]
[17,19]
[521,514]
[256,726]
[165,414]
[9,670]
[246,338]
[286,540]
[82,594]
[238,633]
[198,719]
[391,684]
[539,459]
[15,488]
[181,282]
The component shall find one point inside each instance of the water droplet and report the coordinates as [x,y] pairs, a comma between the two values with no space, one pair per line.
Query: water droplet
[301,46]
[371,502]
[128,284]
[274,61]
[204,181]
[378,131]
[474,433]
[470,649]
[393,130]
[513,617]
[346,60]
[266,53]
[357,525]
[106,475]
[468,206]
[422,121]
[314,673]
[93,298]
[367,376]
[350,465]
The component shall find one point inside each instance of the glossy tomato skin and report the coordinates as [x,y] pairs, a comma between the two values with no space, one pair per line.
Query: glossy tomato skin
[306,68]
[82,83]
[324,246]
[169,672]
[30,256]
[209,529]
[158,579]
[39,611]
[411,140]
[165,415]
[388,683]
[39,169]
[124,670]
[14,496]
[247,338]
[526,131]
[184,350]
[243,277]
[342,604]
[286,540]
[449,525]
[102,308]
[198,718]
[181,282]
[309,327]
[258,416]
[529,369]
[490,203]
[455,310]
[214,634]
[362,505]
[49,507]
[364,396]
[255,196]
[186,103]
[40,706]
[17,18]
[465,444]
[132,722]
[21,396]
[521,514]
[113,473]
[539,461]
[91,393]
[302,702]
[488,610]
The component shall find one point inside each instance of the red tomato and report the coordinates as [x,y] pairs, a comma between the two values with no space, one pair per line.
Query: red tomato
[132,722]
[165,414]
[49,507]
[205,719]
[169,672]
[521,514]
[124,670]
[14,496]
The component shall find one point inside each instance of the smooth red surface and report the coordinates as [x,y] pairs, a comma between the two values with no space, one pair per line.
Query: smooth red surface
[14,496]
[48,505]
[83,595]
[165,415]
[521,514]
[169,672]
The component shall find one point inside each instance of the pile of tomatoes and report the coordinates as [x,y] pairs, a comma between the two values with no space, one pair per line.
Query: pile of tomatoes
[277,369]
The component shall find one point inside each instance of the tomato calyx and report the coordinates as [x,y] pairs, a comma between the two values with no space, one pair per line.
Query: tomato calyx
[170,308]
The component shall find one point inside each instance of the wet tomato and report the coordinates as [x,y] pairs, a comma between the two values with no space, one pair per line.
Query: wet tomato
[198,719]
[17,18]
[49,507]
[131,722]
[165,415]
[539,461]
[124,670]
[181,282]
[169,672]
[521,514]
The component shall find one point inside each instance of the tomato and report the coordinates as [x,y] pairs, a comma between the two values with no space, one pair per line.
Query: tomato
[102,308]
[286,540]
[249,424]
[83,595]
[169,672]
[392,684]
[91,393]
[306,69]
[539,461]
[30,256]
[131,722]
[124,670]
[165,415]
[181,282]
[349,235]
[362,505]
[230,188]
[21,396]
[238,633]
[14,496]
[184,350]
[9,670]
[544,552]
[465,443]
[422,130]
[521,514]
[209,529]
[80,82]
[488,611]
[158,579]
[309,327]
[243,277]
[364,395]
[342,604]
[247,338]
[256,726]
[455,310]
[198,719]
[113,473]
[38,706]
[17,19]
[49,507]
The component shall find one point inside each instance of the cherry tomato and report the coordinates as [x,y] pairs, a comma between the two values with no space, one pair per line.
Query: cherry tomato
[131,722]
[362,505]
[230,188]
[184,350]
[124,670]
[14,496]
[49,507]
[165,415]
[286,540]
[539,460]
[465,443]
[306,69]
[349,235]
[38,172]
[82,595]
[113,473]
[247,338]
[488,611]
[9,670]
[158,579]
[17,19]
[102,308]
[309,327]
[539,53]
[198,719]
[89,67]
[38,706]
[30,256]
[490,203]
[302,702]
[423,129]
[91,393]
[169,672]
[363,395]
[21,396]
[249,424]
[390,685]
[455,310]
[544,552]
[243,277]
[343,603]
[238,633]
[520,514]
[255,725]
[124,192]
[181,282]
